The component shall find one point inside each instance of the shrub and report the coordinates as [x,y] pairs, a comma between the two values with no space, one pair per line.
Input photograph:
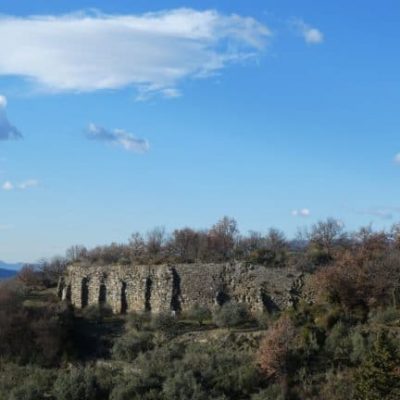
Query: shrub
[263,319]
[273,353]
[199,313]
[386,316]
[338,343]
[273,392]
[24,383]
[378,376]
[138,321]
[268,257]
[130,345]
[26,391]
[359,347]
[338,385]
[77,384]
[183,385]
[163,322]
[97,313]
[231,314]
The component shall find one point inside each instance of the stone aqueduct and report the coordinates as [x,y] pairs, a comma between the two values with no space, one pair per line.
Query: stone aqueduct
[165,288]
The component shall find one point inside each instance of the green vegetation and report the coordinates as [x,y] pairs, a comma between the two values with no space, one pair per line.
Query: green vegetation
[341,340]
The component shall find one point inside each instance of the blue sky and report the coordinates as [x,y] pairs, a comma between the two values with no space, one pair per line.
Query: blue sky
[277,113]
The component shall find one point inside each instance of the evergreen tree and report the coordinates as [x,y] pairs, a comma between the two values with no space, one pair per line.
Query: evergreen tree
[378,377]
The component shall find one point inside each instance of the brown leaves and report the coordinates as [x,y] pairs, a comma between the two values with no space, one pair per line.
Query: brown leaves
[274,348]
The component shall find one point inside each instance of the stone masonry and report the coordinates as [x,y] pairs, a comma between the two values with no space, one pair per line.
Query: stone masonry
[176,288]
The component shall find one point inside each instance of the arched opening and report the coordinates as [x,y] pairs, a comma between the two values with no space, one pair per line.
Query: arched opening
[84,292]
[61,288]
[221,297]
[147,294]
[124,301]
[176,291]
[67,293]
[269,305]
[102,294]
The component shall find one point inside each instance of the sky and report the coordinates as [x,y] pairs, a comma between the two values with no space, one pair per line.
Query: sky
[119,116]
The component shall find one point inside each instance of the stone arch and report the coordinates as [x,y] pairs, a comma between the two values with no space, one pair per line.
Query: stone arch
[102,294]
[61,288]
[222,297]
[84,292]
[176,291]
[124,300]
[268,303]
[67,293]
[147,294]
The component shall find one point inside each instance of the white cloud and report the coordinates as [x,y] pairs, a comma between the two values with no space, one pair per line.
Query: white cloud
[303,212]
[384,213]
[310,35]
[7,130]
[7,186]
[397,158]
[152,52]
[3,101]
[30,183]
[118,137]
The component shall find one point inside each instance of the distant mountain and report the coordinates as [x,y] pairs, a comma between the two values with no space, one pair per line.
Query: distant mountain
[10,266]
[7,273]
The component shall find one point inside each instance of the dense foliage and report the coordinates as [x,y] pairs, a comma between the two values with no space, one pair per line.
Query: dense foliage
[341,341]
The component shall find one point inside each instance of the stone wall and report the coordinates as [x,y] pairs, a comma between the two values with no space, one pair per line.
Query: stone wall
[165,288]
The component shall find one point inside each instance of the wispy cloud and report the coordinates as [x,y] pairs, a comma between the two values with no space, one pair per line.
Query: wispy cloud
[303,212]
[396,159]
[30,183]
[118,137]
[152,52]
[385,213]
[7,130]
[7,185]
[310,34]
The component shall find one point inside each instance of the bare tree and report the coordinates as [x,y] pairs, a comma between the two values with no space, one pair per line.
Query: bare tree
[155,239]
[223,237]
[326,234]
[76,253]
[137,246]
[276,240]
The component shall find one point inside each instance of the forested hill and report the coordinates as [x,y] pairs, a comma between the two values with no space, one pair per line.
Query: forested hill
[6,273]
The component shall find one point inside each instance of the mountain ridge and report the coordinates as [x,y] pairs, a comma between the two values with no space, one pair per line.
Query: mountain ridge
[10,266]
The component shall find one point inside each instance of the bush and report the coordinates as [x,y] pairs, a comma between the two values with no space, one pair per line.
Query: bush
[77,384]
[274,351]
[338,385]
[338,343]
[130,345]
[163,322]
[386,316]
[263,320]
[25,383]
[231,314]
[97,313]
[199,313]
[378,376]
[138,321]
[273,392]
[27,391]
[183,385]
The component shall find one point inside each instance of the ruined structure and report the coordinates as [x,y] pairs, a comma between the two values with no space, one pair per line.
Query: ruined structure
[165,288]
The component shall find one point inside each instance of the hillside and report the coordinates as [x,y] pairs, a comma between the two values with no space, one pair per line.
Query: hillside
[6,273]
[10,266]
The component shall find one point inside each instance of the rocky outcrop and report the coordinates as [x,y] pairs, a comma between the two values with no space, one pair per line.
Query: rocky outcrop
[165,288]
